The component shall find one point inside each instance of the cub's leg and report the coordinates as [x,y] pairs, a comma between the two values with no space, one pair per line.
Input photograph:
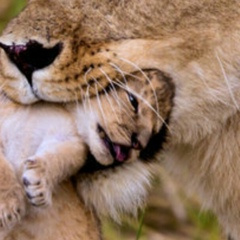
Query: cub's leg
[53,162]
[12,197]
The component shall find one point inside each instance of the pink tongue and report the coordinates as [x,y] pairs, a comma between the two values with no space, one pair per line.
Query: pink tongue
[120,155]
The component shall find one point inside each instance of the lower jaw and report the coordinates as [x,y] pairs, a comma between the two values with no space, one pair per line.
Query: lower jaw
[154,146]
[92,165]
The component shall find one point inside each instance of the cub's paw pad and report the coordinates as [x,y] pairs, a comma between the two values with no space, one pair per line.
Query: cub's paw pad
[35,182]
[12,207]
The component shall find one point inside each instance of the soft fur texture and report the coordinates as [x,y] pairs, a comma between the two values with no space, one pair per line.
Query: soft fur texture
[196,42]
[39,149]
[43,144]
[131,116]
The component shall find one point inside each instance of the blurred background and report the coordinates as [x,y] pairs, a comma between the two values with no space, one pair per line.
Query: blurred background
[169,214]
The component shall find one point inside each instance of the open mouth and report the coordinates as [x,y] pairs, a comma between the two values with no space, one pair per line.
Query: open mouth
[146,154]
[119,152]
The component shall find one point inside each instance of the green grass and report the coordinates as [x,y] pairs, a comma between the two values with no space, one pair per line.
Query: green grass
[203,221]
[13,10]
[141,221]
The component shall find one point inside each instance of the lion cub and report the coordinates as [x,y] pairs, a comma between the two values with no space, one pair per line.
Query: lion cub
[40,145]
[43,144]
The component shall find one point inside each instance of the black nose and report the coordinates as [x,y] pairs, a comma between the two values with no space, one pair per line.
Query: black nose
[31,56]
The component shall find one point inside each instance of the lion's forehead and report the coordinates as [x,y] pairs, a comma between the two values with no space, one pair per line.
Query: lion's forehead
[105,40]
[102,20]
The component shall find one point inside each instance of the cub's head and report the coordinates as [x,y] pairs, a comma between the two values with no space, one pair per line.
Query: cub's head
[118,125]
[125,128]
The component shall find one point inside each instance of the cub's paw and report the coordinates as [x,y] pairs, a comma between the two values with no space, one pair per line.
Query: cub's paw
[35,182]
[12,206]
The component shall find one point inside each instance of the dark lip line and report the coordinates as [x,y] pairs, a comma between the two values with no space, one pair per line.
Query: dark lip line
[146,155]
[14,100]
[31,56]
[34,92]
[109,144]
[156,143]
[92,165]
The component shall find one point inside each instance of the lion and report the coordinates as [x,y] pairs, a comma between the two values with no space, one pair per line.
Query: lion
[43,144]
[40,148]
[64,51]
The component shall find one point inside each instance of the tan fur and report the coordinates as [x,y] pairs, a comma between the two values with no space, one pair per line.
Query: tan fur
[123,188]
[195,42]
[68,218]
[40,146]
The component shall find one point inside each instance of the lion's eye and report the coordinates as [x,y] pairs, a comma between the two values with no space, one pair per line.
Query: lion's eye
[133,101]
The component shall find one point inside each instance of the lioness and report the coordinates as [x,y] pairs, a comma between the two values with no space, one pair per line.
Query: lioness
[64,50]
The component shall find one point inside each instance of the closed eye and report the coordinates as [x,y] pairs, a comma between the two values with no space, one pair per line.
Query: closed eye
[134,102]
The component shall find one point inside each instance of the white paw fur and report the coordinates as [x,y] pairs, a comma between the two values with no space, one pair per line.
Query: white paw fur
[36,185]
[12,206]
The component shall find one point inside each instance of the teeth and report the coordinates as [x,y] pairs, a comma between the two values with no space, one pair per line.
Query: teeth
[119,152]
[102,134]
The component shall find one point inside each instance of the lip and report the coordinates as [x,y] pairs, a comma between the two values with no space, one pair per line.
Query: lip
[92,165]
[119,152]
[147,154]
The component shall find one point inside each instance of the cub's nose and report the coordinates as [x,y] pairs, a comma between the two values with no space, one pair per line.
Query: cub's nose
[31,56]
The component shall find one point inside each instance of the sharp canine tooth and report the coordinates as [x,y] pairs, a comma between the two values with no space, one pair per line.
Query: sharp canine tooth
[102,134]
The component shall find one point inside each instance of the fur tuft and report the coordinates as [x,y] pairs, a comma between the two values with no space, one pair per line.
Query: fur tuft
[115,191]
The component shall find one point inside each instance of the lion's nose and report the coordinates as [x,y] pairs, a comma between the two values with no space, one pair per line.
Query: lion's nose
[31,56]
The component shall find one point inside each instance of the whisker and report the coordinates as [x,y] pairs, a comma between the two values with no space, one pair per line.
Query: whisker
[146,77]
[124,107]
[76,99]
[4,97]
[85,75]
[82,94]
[2,85]
[84,103]
[87,95]
[120,71]
[88,99]
[214,93]
[122,74]
[112,85]
[144,101]
[108,99]
[100,106]
[118,99]
[227,82]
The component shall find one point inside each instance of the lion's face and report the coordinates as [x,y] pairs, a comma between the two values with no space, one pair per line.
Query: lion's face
[71,42]
[125,129]
[98,41]
[84,46]
[64,51]
[119,124]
